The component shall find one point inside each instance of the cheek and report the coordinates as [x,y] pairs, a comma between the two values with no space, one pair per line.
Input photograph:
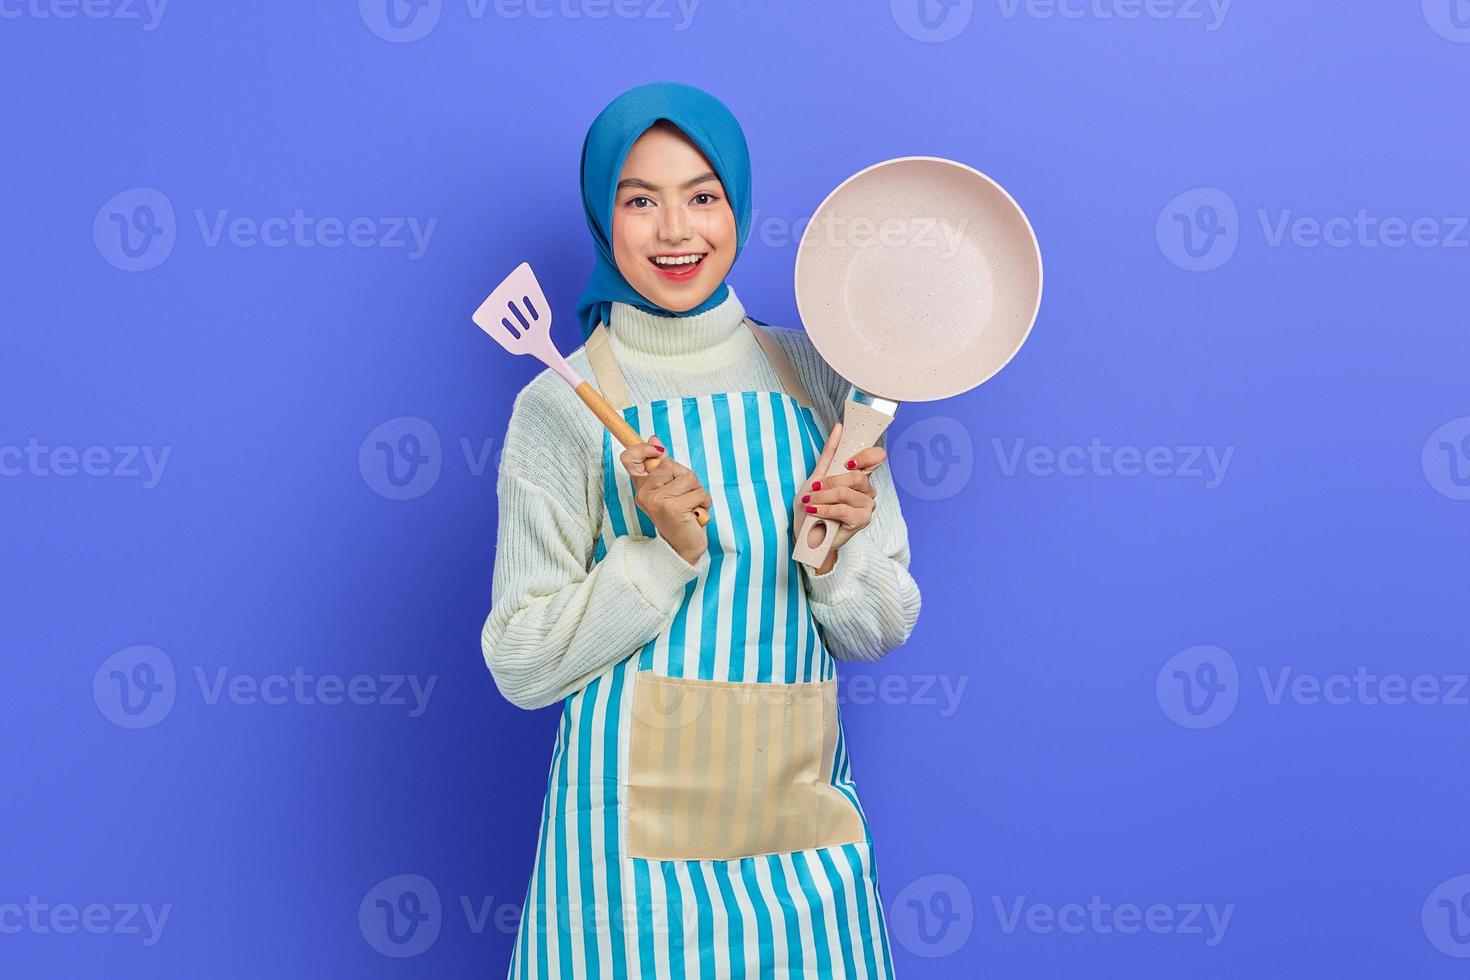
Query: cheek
[628,239]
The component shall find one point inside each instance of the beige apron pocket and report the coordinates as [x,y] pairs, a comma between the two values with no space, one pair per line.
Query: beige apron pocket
[720,770]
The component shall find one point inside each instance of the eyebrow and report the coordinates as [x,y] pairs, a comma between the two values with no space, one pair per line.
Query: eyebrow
[645,185]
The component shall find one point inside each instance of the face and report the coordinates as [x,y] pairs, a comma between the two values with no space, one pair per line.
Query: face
[673,233]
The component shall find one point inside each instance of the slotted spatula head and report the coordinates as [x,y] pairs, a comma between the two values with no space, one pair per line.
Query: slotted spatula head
[517,315]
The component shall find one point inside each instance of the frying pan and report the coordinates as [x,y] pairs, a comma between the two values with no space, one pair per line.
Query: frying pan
[917,279]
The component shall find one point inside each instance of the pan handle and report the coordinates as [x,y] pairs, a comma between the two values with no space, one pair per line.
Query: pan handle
[862,426]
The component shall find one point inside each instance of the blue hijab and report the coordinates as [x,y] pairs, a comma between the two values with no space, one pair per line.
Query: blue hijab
[710,126]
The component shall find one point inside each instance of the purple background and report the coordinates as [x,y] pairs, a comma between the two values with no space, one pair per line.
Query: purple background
[1337,538]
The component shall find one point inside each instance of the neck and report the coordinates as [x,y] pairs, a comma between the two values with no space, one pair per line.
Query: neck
[714,335]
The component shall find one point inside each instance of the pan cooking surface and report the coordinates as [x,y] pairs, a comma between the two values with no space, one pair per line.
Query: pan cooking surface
[918,279]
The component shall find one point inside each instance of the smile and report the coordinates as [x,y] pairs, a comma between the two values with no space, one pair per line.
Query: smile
[678,267]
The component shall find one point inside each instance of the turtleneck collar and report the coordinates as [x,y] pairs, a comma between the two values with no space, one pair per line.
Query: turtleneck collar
[714,336]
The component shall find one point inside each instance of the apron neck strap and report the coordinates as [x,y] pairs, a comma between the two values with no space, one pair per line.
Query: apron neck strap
[611,385]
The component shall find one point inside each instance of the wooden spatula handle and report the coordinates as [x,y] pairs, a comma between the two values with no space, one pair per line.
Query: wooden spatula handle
[624,432]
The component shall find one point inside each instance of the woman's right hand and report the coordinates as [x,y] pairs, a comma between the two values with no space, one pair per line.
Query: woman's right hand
[668,494]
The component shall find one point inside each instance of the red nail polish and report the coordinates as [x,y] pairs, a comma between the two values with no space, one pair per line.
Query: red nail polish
[659,448]
[811,510]
[851,464]
[806,498]
[816,484]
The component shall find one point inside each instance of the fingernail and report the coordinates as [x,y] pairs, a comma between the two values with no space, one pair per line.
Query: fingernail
[816,484]
[806,498]
[659,448]
[851,464]
[811,510]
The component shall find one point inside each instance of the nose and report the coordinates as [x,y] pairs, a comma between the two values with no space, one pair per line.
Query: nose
[672,227]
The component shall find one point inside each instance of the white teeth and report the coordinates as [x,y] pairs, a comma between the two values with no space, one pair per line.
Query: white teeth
[676,259]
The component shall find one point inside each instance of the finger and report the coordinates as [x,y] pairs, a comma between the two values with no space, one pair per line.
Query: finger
[851,496]
[824,462]
[857,479]
[634,458]
[694,498]
[866,459]
[845,514]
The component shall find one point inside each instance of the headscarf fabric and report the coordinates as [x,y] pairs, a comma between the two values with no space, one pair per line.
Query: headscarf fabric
[710,126]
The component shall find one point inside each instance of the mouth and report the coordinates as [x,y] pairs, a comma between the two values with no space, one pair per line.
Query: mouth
[678,266]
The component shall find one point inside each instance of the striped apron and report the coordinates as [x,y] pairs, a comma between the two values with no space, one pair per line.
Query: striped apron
[700,818]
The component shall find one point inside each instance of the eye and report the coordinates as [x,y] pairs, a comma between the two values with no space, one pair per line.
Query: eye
[710,198]
[633,201]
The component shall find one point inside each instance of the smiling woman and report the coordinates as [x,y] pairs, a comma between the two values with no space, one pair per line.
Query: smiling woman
[701,817]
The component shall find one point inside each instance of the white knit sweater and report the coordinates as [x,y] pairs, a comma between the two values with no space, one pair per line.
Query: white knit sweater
[558,619]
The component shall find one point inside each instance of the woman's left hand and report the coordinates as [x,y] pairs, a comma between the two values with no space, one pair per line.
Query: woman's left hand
[846,497]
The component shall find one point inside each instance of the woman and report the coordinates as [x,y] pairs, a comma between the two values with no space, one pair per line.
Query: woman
[700,817]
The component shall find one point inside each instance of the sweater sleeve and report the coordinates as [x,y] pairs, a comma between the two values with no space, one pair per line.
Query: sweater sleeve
[557,619]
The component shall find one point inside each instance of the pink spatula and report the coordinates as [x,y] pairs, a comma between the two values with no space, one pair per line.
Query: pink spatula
[519,318]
